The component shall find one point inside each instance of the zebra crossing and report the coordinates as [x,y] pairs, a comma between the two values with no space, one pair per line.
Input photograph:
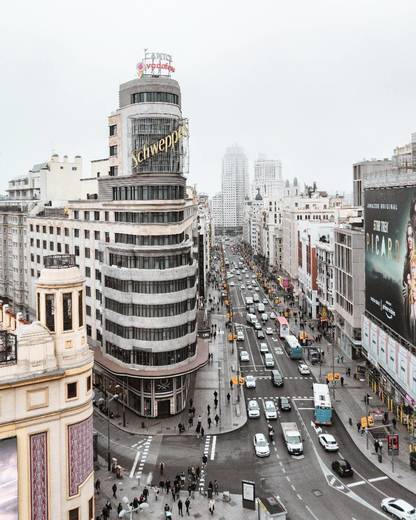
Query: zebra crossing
[300,378]
[142,452]
[203,469]
[276,398]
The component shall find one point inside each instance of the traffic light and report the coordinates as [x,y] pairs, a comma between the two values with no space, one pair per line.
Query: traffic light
[393,443]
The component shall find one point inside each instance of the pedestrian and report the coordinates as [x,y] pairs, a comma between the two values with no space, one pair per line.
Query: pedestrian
[228,398]
[358,427]
[119,508]
[162,485]
[327,381]
[342,381]
[216,487]
[145,493]
[190,421]
[197,472]
[114,488]
[187,505]
[173,494]
[362,430]
[167,486]
[166,508]
[394,422]
[211,506]
[342,359]
[198,428]
[180,507]
[199,420]
[135,503]
[108,507]
[208,409]
[215,403]
[215,394]
[191,402]
[204,460]
[376,446]
[209,423]
[231,384]
[202,432]
[162,467]
[105,513]
[385,418]
[97,486]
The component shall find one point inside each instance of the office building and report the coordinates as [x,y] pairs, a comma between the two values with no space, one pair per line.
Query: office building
[235,187]
[268,178]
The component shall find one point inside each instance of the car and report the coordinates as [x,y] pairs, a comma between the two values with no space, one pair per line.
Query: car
[244,356]
[273,315]
[264,348]
[243,286]
[253,409]
[250,382]
[328,442]
[265,301]
[303,368]
[264,317]
[284,404]
[240,335]
[261,446]
[232,284]
[342,467]
[398,508]
[268,360]
[249,287]
[270,410]
[269,331]
[257,325]
[260,334]
[277,378]
[247,276]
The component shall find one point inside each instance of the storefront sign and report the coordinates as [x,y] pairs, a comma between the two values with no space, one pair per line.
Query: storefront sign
[155,64]
[163,145]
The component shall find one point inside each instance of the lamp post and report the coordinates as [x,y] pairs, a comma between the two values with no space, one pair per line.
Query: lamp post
[108,431]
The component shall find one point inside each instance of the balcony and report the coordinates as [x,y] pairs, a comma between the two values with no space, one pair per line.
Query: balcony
[8,348]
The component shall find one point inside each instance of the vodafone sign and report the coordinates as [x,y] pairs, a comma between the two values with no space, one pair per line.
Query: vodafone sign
[155,64]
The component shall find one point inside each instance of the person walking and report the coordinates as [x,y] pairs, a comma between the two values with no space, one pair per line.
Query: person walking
[342,381]
[162,468]
[215,394]
[180,507]
[209,423]
[173,493]
[202,432]
[187,505]
[167,486]
[228,398]
[208,409]
[215,403]
[358,427]
[376,446]
[119,508]
[211,506]
[114,488]
[97,486]
[394,422]
[199,420]
[204,460]
[216,486]
[231,384]
[216,419]
[145,493]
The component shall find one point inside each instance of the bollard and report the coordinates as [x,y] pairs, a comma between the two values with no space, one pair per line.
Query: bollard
[350,421]
[380,457]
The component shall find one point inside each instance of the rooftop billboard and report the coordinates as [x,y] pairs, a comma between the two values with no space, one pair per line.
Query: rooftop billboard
[390,258]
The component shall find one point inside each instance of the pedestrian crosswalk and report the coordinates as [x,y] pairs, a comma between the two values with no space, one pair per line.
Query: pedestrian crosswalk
[276,398]
[300,378]
[142,447]
[203,469]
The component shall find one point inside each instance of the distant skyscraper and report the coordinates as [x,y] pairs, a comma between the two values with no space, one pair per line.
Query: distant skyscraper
[268,178]
[235,186]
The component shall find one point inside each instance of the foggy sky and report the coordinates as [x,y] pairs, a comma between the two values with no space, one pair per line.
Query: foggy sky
[317,84]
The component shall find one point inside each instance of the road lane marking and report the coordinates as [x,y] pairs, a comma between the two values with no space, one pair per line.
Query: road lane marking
[306,408]
[214,443]
[358,483]
[299,497]
[311,513]
[377,479]
[136,460]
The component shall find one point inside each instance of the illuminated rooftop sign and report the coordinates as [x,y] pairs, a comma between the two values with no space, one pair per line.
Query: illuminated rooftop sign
[155,64]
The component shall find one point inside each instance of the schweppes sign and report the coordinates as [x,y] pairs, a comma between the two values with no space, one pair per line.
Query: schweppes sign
[163,145]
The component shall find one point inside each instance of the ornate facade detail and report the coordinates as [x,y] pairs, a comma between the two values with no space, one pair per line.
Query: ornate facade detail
[80,454]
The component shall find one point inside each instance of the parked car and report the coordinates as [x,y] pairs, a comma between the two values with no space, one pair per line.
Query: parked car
[277,378]
[261,446]
[244,356]
[328,442]
[270,410]
[398,508]
[342,467]
[264,348]
[303,368]
[260,334]
[284,404]
[253,409]
[269,331]
[250,382]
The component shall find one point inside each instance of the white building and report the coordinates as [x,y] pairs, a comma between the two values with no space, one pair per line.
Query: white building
[235,187]
[268,178]
[216,204]
[325,251]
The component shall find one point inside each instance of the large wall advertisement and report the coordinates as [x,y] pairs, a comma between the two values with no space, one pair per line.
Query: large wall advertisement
[8,479]
[390,258]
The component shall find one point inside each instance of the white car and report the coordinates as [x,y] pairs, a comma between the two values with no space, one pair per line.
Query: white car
[265,301]
[250,382]
[270,410]
[247,276]
[264,316]
[257,325]
[240,335]
[248,287]
[244,356]
[328,442]
[264,348]
[273,315]
[261,446]
[398,508]
[232,284]
[269,331]
[304,369]
[253,409]
[243,286]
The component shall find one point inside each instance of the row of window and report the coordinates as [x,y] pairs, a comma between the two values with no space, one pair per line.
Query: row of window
[87,233]
[67,310]
[150,334]
[75,514]
[148,192]
[141,357]
[158,287]
[151,262]
[149,240]
[151,217]
[154,97]
[150,311]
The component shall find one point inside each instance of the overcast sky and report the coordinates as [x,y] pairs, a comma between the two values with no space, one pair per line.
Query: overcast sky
[318,84]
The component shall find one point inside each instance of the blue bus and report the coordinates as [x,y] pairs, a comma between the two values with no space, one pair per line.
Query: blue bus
[322,404]
[293,347]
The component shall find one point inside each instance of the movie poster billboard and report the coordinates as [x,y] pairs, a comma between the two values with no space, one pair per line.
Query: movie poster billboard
[390,258]
[8,479]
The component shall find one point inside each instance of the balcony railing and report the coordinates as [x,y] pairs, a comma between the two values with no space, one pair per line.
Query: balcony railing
[59,261]
[8,348]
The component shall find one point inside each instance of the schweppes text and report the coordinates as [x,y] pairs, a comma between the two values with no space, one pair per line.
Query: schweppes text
[163,145]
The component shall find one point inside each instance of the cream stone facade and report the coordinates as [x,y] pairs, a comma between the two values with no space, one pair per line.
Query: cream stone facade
[46,401]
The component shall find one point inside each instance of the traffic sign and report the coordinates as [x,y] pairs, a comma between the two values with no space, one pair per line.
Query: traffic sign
[236,381]
[367,422]
[333,376]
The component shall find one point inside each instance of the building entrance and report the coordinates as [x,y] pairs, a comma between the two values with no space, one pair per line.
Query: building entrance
[163,408]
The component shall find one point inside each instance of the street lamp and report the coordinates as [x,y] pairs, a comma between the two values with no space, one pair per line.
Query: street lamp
[115,396]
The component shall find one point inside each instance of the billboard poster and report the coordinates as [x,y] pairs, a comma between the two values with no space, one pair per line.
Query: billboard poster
[8,479]
[390,258]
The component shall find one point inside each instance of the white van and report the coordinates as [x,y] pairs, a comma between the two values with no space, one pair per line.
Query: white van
[268,360]
[260,307]
[256,298]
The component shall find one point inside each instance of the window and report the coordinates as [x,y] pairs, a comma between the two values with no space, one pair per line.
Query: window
[88,272]
[59,247]
[98,275]
[31,227]
[86,215]
[72,390]
[44,244]
[76,233]
[32,257]
[88,290]
[91,509]
[37,242]
[96,235]
[113,171]
[96,215]
[107,236]
[51,246]
[67,249]
[98,295]
[73,514]
[88,310]
[67,310]
[113,129]
[113,151]
[89,331]
[98,255]
[50,311]
[87,252]
[51,230]
[86,233]
[43,229]
[66,232]
[76,214]
[38,259]
[58,231]
[37,229]
[76,250]
[80,309]
[106,216]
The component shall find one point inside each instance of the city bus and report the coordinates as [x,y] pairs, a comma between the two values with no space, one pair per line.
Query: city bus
[282,326]
[322,404]
[292,347]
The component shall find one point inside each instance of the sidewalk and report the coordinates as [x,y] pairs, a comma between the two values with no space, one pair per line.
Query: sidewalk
[129,488]
[215,376]
[349,404]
